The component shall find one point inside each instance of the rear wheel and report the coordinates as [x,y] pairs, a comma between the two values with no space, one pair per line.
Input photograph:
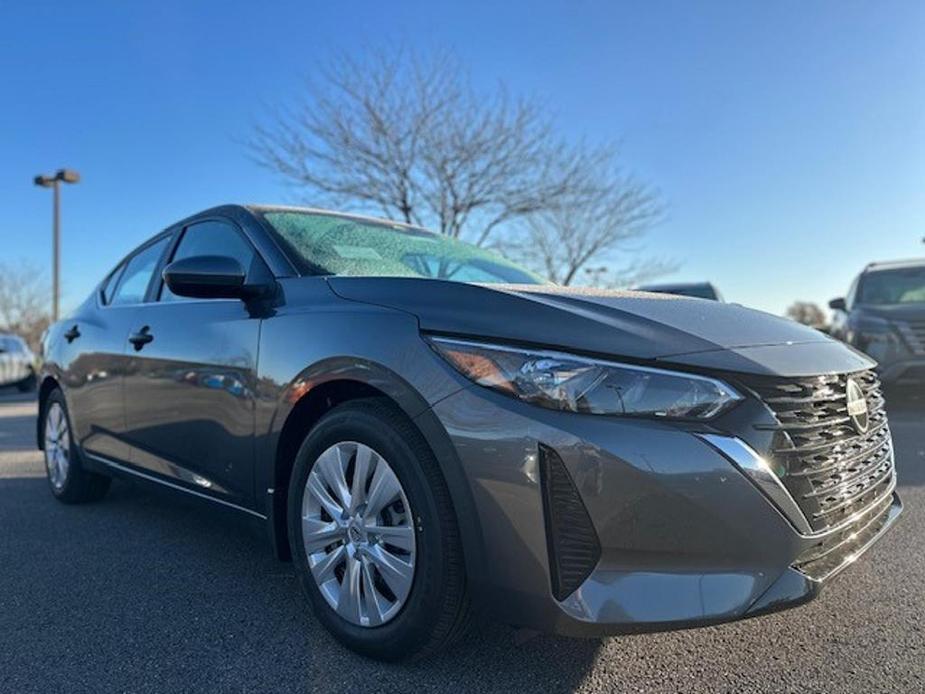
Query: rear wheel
[374,534]
[69,481]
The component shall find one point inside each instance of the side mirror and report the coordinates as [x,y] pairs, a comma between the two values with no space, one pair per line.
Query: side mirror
[206,277]
[838,304]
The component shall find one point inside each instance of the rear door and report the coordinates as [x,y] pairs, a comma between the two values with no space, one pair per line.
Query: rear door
[94,353]
[189,391]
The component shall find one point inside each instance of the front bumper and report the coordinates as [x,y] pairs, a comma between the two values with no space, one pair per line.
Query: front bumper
[685,538]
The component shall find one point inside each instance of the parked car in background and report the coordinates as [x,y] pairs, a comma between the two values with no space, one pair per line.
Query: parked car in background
[17,363]
[429,431]
[696,290]
[883,315]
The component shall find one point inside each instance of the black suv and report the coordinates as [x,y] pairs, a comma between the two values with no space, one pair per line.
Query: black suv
[884,316]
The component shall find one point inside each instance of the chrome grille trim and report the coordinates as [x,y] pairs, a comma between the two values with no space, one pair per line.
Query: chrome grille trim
[839,549]
[756,468]
[833,472]
[835,540]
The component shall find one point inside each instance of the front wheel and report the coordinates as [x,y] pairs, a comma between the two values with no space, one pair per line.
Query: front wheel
[68,480]
[374,534]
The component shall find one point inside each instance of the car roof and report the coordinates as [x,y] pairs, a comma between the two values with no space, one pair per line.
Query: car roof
[895,264]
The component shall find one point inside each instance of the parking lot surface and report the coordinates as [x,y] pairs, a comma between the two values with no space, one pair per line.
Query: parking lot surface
[146,592]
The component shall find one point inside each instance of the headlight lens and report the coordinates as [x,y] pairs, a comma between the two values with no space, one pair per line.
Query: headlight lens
[567,382]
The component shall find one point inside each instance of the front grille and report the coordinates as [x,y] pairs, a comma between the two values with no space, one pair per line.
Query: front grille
[914,334]
[833,472]
[838,548]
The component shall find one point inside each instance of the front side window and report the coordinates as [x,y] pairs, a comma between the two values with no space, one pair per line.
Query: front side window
[898,286]
[212,238]
[344,246]
[133,284]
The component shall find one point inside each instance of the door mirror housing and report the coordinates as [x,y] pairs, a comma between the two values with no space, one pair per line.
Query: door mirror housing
[208,277]
[838,304]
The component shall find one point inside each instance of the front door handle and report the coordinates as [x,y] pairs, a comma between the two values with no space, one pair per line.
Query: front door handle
[72,334]
[141,338]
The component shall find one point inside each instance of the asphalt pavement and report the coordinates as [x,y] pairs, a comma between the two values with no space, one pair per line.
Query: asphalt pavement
[147,592]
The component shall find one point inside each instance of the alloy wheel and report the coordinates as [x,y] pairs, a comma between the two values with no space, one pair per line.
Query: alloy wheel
[358,534]
[57,445]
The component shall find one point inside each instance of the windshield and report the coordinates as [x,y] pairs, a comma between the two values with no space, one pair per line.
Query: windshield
[334,245]
[900,286]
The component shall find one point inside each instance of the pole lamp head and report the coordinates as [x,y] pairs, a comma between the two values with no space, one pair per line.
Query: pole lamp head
[44,181]
[67,175]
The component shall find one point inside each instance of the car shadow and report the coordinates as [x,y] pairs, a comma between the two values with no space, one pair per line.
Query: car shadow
[148,587]
[13,394]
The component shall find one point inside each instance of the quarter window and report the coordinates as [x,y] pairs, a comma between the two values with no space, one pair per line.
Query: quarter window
[133,285]
[110,286]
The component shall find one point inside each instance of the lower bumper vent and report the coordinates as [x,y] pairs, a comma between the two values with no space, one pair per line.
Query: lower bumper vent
[574,548]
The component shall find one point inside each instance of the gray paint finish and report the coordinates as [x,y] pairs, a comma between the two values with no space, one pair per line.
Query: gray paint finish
[686,538]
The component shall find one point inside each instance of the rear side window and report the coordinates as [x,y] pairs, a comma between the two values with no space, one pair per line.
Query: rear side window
[110,285]
[212,238]
[133,284]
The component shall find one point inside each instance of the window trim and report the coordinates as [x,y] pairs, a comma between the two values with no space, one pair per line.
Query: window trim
[123,264]
[180,233]
[116,274]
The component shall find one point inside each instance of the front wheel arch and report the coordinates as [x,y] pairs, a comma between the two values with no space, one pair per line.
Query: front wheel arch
[326,395]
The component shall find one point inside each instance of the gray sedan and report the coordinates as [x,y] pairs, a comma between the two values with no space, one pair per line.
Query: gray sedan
[430,432]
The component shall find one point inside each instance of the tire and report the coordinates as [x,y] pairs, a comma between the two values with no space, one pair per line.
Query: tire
[27,385]
[435,610]
[67,478]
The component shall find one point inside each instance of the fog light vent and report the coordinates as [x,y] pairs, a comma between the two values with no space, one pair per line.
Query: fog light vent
[573,545]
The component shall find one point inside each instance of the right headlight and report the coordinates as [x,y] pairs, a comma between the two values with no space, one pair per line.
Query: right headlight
[561,381]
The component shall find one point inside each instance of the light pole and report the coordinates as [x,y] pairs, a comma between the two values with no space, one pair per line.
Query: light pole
[54,182]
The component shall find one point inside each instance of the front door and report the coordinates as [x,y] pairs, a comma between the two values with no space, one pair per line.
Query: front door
[190,383]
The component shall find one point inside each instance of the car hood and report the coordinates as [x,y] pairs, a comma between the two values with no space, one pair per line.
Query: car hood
[633,325]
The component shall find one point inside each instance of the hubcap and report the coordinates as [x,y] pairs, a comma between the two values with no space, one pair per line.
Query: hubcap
[358,534]
[57,445]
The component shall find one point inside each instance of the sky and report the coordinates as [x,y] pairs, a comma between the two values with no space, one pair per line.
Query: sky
[786,138]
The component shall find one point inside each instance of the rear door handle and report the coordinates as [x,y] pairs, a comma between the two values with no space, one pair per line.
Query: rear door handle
[141,338]
[72,334]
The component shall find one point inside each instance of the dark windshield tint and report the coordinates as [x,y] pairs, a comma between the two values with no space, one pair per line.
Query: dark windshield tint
[359,248]
[899,286]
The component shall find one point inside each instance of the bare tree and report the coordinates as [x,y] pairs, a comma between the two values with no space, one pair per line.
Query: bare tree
[604,213]
[23,302]
[807,313]
[411,139]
